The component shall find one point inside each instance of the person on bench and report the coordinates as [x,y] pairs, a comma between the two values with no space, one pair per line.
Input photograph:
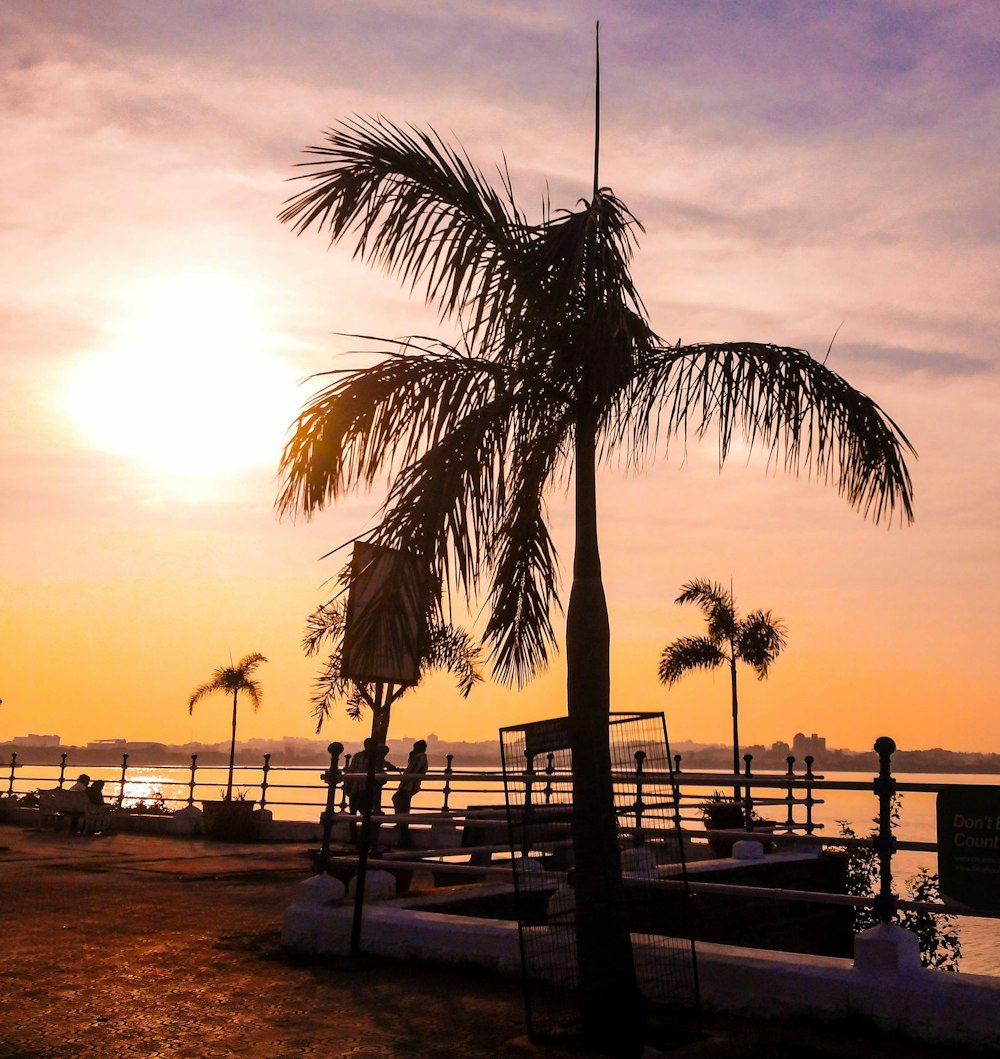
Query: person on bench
[76,819]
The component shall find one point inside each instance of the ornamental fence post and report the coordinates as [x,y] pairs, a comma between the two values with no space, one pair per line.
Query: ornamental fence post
[62,770]
[810,800]
[549,770]
[191,782]
[790,791]
[121,789]
[884,786]
[263,782]
[639,806]
[748,797]
[447,781]
[13,766]
[331,778]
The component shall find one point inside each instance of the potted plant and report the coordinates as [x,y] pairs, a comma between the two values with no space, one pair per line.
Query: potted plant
[721,813]
[232,818]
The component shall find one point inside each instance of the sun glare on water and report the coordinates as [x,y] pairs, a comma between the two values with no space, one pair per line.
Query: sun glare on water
[187,385]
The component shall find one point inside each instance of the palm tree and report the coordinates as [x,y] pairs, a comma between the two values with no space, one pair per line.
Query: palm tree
[557,370]
[448,648]
[232,678]
[756,640]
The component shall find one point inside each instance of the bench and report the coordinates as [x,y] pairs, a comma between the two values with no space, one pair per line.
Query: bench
[75,806]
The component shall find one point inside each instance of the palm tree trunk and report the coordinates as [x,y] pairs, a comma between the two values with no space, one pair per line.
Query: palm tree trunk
[610,1003]
[232,751]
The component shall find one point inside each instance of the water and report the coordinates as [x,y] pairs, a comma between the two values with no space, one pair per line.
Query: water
[298,794]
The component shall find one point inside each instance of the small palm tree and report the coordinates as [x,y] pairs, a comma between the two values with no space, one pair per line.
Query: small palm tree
[232,678]
[756,640]
[448,648]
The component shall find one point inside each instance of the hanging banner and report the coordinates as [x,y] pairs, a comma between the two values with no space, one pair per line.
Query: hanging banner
[385,629]
[968,824]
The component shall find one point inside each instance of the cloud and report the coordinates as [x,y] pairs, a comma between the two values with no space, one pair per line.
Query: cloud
[903,361]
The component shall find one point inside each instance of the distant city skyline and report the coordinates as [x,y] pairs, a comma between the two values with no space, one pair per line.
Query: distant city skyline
[815,175]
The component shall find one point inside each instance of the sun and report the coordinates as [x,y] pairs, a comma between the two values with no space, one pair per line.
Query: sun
[187,383]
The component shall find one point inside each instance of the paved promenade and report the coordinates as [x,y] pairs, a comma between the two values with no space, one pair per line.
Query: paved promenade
[122,946]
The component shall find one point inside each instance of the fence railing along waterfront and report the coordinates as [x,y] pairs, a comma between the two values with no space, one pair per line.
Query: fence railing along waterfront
[298,792]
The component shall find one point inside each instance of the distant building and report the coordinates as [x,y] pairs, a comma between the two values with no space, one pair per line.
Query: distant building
[781,748]
[107,744]
[36,740]
[806,745]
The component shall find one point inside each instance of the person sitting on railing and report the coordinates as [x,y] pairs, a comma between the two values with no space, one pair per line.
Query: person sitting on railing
[409,784]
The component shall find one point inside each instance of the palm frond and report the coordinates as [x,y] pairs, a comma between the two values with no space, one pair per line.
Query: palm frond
[804,414]
[525,576]
[716,604]
[688,653]
[420,209]
[761,639]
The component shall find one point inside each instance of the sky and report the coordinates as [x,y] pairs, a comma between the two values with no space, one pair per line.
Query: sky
[802,170]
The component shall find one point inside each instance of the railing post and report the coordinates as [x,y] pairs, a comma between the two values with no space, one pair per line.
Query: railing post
[447,781]
[884,786]
[62,770]
[194,765]
[263,781]
[640,760]
[331,778]
[790,815]
[748,797]
[677,762]
[528,808]
[549,770]
[810,800]
[121,789]
[13,765]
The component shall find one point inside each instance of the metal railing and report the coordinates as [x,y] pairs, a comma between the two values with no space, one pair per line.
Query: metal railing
[448,792]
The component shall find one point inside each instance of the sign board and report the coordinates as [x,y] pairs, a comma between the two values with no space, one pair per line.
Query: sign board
[385,628]
[542,737]
[968,824]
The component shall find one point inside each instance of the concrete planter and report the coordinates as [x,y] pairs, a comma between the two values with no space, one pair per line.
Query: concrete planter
[230,821]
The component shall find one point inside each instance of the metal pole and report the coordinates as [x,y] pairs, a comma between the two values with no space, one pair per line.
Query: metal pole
[13,765]
[884,786]
[374,756]
[62,770]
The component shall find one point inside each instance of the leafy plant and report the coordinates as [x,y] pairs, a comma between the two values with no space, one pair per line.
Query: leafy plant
[448,648]
[937,934]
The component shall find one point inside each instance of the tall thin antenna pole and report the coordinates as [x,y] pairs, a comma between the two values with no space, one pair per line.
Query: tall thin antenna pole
[597,105]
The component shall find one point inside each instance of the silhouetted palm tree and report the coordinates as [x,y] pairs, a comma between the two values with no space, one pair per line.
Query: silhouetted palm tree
[756,640]
[232,678]
[448,648]
[557,369]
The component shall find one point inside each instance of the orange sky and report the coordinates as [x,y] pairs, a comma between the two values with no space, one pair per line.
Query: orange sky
[798,167]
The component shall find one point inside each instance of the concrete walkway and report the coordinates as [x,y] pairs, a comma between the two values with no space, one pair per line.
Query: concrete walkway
[122,946]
